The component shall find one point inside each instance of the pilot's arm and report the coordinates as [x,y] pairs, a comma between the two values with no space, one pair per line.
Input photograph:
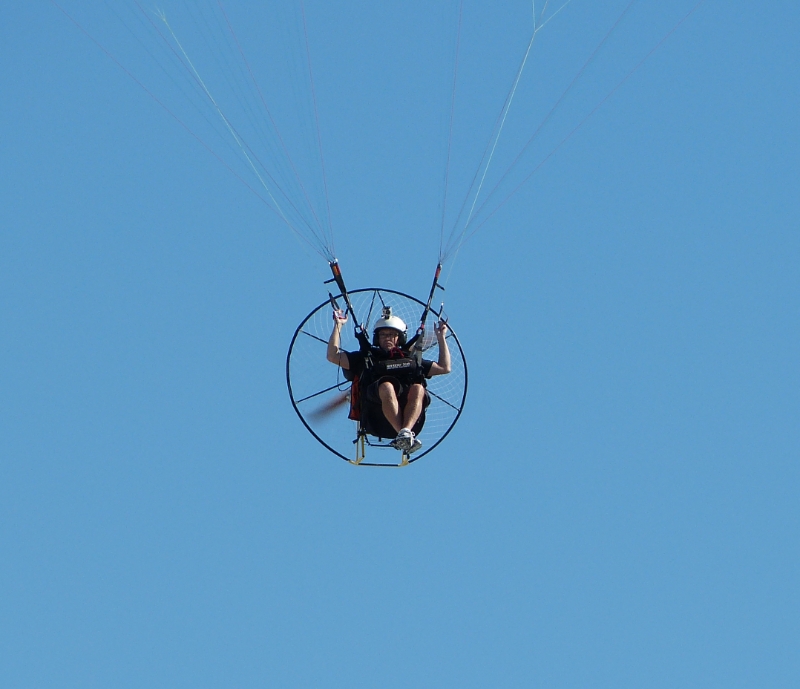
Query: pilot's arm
[441,367]
[335,354]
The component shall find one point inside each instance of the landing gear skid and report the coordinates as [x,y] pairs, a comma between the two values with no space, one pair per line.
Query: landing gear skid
[361,443]
[361,449]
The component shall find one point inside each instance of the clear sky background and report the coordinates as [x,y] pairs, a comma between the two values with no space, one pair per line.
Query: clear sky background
[618,505]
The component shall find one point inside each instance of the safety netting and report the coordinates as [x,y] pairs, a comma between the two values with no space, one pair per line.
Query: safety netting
[320,392]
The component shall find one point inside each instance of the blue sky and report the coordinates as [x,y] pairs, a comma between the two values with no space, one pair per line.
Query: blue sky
[617,506]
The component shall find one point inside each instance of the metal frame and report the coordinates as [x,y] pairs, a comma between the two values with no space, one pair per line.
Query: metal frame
[406,460]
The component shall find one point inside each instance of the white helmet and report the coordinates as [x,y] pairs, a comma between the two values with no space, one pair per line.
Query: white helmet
[387,320]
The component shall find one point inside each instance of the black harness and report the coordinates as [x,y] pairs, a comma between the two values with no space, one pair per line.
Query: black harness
[404,366]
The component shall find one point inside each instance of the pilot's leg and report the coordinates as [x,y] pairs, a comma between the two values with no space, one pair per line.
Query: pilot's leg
[413,408]
[390,406]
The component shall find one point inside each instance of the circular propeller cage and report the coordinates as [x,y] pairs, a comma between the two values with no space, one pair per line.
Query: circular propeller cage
[320,393]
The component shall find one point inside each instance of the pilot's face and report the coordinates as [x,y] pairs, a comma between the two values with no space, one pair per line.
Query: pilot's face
[387,338]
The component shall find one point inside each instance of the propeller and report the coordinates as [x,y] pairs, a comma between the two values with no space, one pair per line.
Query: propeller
[329,407]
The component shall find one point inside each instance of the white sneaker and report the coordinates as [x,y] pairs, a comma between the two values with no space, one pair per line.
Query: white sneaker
[404,440]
